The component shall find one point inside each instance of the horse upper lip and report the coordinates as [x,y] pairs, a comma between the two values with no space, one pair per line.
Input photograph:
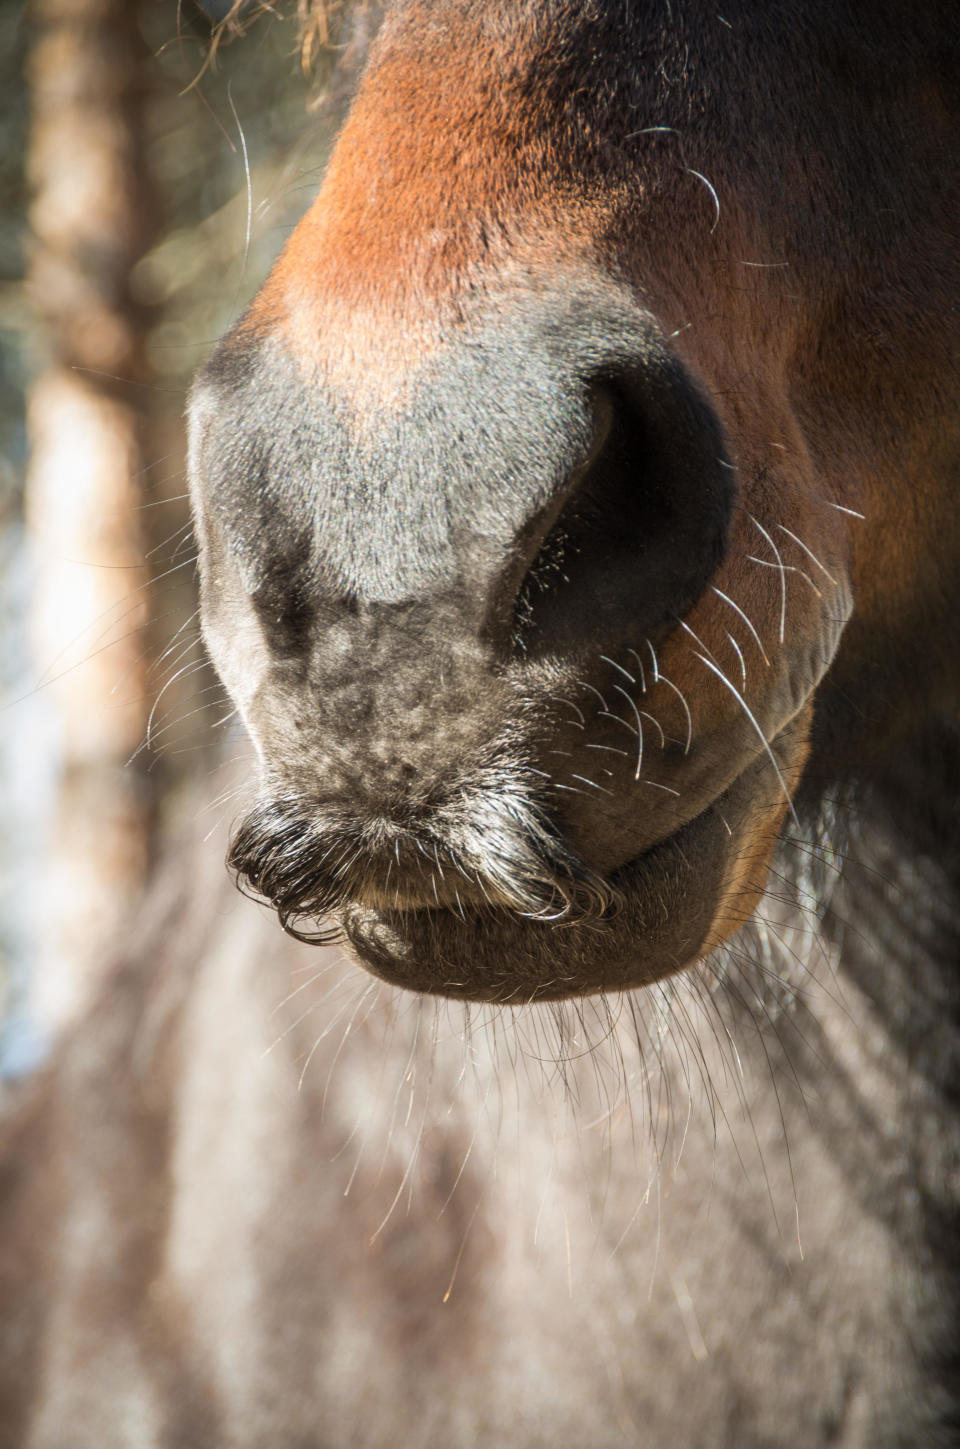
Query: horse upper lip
[495,848]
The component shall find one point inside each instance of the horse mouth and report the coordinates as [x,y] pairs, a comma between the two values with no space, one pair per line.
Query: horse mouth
[671,905]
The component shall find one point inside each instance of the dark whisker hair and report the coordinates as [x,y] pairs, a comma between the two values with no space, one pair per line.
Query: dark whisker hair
[310,860]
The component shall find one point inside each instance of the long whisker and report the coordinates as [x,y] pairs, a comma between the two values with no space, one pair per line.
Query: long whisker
[734,605]
[627,697]
[783,575]
[759,732]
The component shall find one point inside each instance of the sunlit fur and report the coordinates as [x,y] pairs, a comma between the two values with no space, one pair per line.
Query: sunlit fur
[301,1206]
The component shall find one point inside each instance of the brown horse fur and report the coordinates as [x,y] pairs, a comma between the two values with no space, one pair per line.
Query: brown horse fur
[578,542]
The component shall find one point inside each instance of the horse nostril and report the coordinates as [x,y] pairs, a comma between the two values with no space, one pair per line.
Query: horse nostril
[643,527]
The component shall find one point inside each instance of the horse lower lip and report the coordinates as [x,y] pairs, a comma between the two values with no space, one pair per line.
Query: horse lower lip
[498,955]
[670,898]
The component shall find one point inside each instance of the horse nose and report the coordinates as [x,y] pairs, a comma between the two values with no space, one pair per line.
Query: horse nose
[392,590]
[395,590]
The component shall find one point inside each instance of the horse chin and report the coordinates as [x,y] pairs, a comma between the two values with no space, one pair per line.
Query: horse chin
[675,903]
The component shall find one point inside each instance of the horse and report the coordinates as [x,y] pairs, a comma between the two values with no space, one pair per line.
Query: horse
[577,544]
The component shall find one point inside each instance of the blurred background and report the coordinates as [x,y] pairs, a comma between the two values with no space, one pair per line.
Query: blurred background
[152,162]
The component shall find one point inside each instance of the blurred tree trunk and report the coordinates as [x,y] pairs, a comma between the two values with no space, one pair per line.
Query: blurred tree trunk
[90,221]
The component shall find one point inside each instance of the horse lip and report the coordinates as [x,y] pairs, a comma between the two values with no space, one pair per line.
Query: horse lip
[670,898]
[424,949]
